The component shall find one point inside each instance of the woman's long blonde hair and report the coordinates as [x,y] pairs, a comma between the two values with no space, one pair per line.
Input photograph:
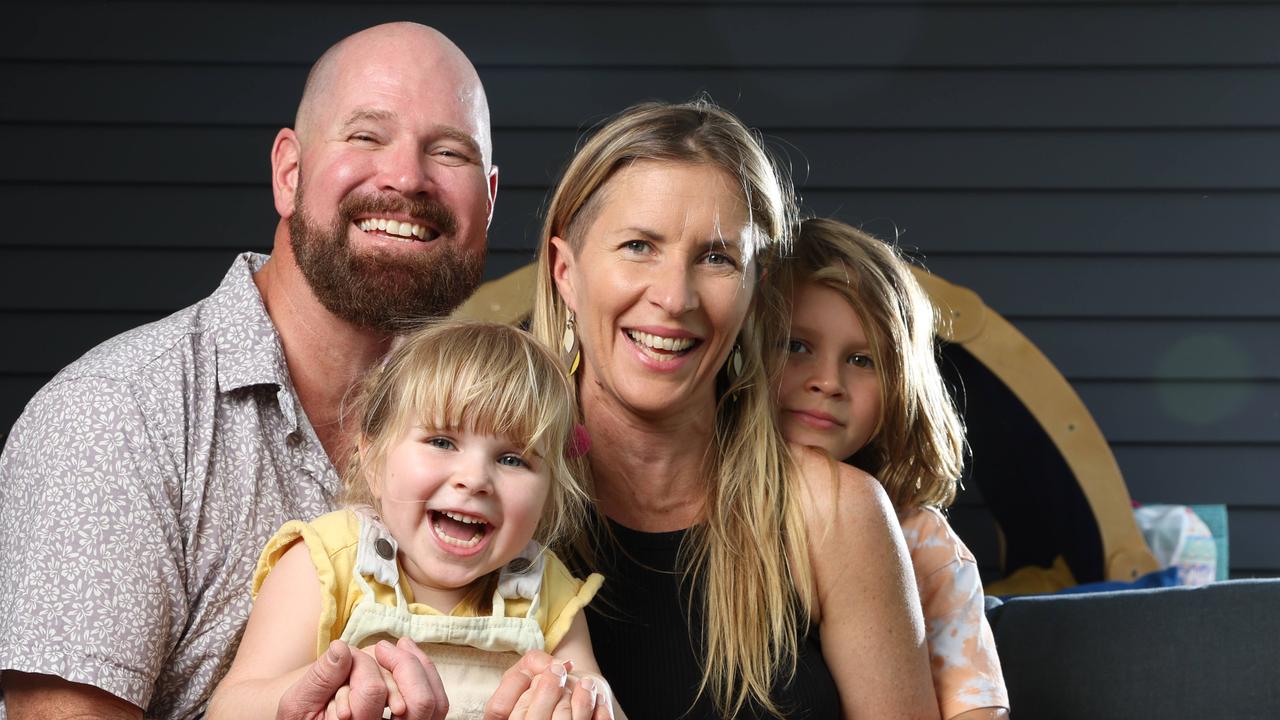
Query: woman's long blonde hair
[482,377]
[917,452]
[749,555]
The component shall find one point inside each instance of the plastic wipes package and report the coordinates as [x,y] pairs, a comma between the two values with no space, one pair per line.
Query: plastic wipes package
[1180,539]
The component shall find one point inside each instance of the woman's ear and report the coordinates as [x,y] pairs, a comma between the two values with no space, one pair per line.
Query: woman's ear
[562,271]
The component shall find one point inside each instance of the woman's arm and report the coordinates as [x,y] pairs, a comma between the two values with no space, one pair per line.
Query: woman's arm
[279,642]
[867,606]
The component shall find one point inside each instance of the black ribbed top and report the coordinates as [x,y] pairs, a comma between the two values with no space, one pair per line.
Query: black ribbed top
[645,638]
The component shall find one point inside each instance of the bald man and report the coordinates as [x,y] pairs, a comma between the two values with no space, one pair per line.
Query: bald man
[139,485]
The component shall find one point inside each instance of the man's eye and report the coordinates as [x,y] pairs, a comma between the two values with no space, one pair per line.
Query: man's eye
[363,137]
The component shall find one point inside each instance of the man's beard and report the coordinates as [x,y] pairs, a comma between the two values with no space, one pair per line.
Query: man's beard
[387,291]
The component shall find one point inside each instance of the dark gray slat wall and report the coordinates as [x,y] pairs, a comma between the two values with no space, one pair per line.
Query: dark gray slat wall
[897,159]
[670,35]
[1043,134]
[792,97]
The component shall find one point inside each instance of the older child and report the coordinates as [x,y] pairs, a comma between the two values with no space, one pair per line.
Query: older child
[862,382]
[465,456]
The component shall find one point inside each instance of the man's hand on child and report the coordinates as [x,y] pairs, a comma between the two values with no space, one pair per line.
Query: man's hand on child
[346,685]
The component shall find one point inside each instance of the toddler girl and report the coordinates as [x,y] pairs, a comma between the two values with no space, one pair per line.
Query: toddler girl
[463,472]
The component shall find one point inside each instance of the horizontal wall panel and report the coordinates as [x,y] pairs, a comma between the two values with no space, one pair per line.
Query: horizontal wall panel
[243,217]
[15,392]
[1184,412]
[104,281]
[718,35]
[235,217]
[44,343]
[1239,476]
[1097,287]
[1061,222]
[1163,350]
[869,160]
[1253,538]
[571,98]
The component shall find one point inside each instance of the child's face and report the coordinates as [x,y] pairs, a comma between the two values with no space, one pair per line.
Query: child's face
[830,393]
[460,504]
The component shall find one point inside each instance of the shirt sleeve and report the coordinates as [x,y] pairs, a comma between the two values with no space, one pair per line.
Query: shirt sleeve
[563,597]
[90,555]
[962,650]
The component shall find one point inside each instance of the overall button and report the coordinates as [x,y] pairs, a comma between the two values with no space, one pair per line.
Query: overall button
[382,546]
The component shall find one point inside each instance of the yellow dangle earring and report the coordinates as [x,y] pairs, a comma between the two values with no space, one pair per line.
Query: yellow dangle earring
[572,353]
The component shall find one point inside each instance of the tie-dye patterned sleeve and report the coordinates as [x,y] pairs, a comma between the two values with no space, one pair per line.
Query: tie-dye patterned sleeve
[962,651]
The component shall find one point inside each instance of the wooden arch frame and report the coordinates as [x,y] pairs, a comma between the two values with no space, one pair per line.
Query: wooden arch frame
[965,320]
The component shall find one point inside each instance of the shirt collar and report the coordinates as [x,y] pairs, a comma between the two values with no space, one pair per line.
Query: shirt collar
[248,346]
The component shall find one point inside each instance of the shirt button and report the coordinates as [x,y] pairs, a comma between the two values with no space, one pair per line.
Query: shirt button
[382,546]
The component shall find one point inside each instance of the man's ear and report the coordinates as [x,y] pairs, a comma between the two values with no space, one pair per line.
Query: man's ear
[493,192]
[562,264]
[286,154]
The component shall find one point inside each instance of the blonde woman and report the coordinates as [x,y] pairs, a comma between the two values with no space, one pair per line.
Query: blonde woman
[862,383]
[745,578]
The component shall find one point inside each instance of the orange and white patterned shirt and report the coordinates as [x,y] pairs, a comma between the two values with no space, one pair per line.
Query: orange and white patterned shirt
[962,650]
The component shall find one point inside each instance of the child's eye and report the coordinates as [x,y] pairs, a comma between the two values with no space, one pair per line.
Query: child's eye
[513,460]
[860,360]
[796,346]
[442,443]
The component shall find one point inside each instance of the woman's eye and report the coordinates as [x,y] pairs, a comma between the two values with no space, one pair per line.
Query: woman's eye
[796,346]
[716,258]
[636,246]
[511,460]
[862,361]
[442,443]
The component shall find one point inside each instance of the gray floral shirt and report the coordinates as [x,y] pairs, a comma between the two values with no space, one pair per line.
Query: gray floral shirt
[136,491]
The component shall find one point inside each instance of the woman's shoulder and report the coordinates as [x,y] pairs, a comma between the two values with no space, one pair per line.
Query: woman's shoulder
[831,490]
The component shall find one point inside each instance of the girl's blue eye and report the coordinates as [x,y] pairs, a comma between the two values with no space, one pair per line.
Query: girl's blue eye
[443,443]
[513,461]
[796,346]
[862,361]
